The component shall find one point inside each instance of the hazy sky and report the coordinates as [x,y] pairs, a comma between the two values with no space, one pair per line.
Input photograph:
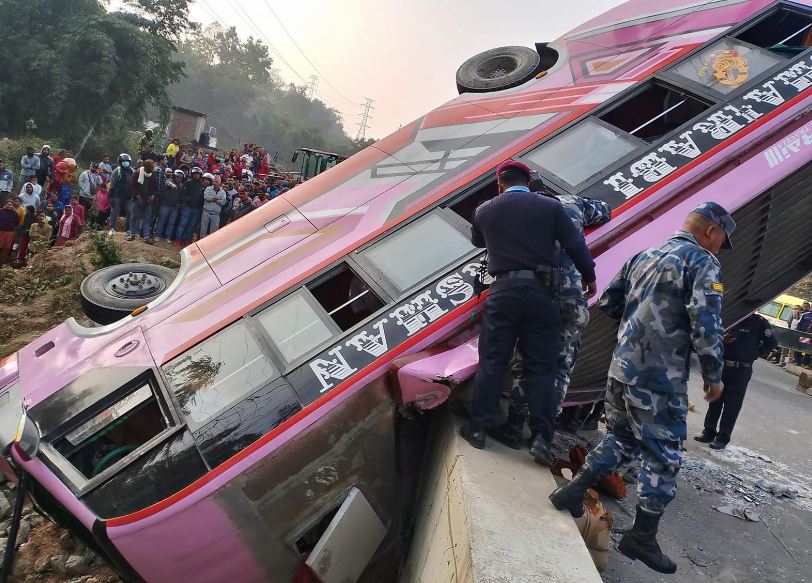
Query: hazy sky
[402,54]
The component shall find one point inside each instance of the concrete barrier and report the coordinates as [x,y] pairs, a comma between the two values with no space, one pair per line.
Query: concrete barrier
[484,517]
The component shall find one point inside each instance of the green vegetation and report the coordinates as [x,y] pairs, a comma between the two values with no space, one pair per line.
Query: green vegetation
[234,82]
[106,251]
[92,78]
[71,68]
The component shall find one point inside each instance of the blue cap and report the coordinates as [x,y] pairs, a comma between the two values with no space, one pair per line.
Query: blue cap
[717,213]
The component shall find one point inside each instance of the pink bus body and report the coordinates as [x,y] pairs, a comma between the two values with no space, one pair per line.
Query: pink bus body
[207,438]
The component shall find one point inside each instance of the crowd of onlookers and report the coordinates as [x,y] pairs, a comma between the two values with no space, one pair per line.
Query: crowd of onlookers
[173,196]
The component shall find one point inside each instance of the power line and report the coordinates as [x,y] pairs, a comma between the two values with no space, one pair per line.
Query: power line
[271,46]
[247,20]
[312,64]
[210,10]
[363,125]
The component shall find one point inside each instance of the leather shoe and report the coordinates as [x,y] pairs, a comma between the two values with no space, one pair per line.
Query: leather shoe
[476,437]
[705,437]
[540,450]
[718,444]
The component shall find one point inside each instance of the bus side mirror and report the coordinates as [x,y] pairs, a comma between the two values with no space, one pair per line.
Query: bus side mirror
[295,157]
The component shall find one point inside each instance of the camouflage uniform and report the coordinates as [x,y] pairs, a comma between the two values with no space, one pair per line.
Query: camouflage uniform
[583,212]
[669,301]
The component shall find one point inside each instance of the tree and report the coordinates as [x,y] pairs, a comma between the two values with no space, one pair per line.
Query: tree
[166,18]
[221,48]
[234,82]
[70,66]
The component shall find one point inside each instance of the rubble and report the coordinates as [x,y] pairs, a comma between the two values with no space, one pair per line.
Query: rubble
[742,512]
[45,552]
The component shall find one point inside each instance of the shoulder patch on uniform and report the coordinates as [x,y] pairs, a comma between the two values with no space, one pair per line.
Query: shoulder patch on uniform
[718,287]
[768,332]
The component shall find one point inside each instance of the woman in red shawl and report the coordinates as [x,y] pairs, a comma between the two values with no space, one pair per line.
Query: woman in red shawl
[68,227]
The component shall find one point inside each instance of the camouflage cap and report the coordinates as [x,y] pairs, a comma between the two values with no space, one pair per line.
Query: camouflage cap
[717,213]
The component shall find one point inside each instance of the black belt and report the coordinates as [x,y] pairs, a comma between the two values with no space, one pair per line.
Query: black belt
[547,276]
[737,364]
[516,274]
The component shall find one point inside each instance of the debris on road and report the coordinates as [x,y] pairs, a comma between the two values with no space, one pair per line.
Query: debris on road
[756,455]
[741,512]
[778,490]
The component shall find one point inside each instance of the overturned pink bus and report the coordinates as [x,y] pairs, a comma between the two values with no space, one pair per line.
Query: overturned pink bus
[250,423]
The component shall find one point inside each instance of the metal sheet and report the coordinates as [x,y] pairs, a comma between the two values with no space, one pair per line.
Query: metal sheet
[345,548]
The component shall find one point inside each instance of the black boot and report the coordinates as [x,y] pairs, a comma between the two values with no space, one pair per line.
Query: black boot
[512,432]
[475,437]
[706,436]
[571,496]
[540,450]
[718,443]
[641,542]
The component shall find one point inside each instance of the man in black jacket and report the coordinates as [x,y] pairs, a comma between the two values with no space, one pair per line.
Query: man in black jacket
[46,166]
[144,185]
[191,205]
[120,190]
[522,232]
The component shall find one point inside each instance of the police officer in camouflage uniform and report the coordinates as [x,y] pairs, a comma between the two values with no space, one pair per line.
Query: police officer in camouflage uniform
[668,300]
[583,212]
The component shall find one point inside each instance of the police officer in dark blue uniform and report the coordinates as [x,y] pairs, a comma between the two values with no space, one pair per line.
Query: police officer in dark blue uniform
[749,339]
[523,232]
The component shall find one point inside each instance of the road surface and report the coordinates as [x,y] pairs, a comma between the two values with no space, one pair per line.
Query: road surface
[772,441]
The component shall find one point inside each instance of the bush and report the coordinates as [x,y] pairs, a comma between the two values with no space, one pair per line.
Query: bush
[107,251]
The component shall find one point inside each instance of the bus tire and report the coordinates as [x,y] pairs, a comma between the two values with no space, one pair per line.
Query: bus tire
[111,293]
[498,69]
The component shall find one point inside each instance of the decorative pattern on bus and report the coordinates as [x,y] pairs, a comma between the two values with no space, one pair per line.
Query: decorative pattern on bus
[378,337]
[719,124]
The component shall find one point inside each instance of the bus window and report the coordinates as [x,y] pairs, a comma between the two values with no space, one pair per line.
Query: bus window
[115,431]
[726,65]
[466,206]
[218,372]
[418,250]
[346,297]
[296,325]
[784,32]
[582,151]
[654,112]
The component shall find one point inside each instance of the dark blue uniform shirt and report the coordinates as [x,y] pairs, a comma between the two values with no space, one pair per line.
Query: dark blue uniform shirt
[752,337]
[522,230]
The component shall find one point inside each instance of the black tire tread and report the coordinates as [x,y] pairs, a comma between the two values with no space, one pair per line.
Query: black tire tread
[529,64]
[103,308]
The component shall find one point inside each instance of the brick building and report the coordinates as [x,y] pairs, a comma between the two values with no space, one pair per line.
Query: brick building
[186,125]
